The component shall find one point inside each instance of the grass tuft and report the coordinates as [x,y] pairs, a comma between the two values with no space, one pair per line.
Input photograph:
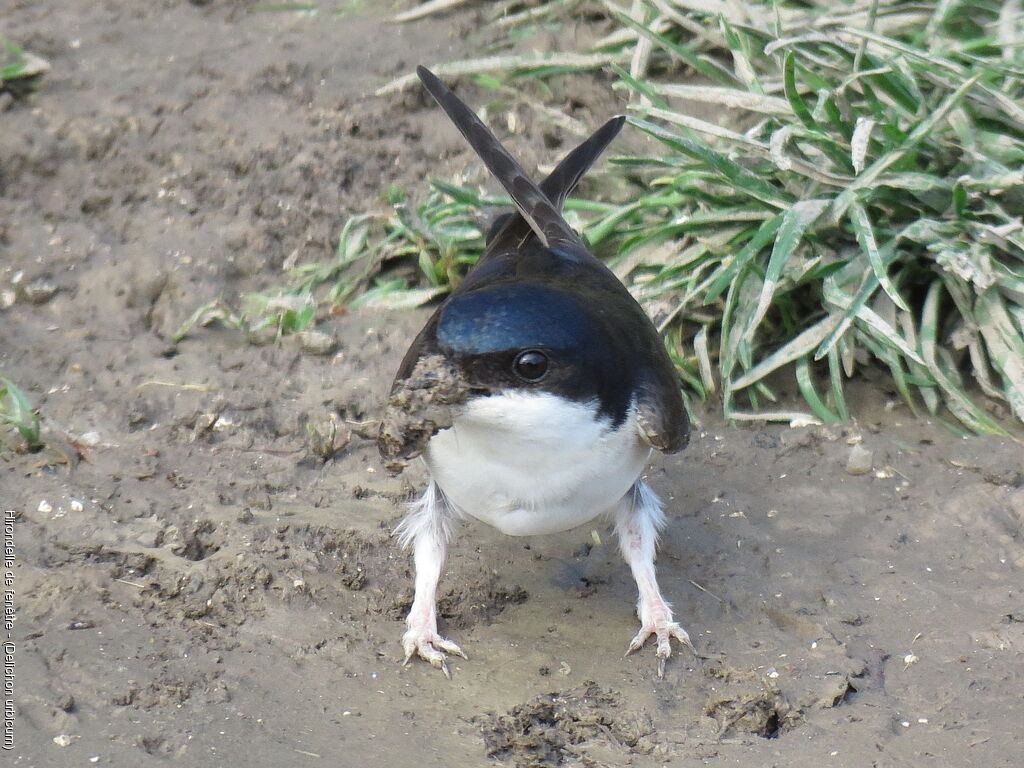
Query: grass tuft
[19,70]
[17,411]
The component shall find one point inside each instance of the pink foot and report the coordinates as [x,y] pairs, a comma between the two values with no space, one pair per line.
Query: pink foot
[430,646]
[657,621]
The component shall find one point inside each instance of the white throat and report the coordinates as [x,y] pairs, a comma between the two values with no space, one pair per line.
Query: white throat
[532,463]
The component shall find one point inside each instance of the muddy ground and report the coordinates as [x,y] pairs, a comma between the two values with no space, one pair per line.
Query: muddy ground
[195,586]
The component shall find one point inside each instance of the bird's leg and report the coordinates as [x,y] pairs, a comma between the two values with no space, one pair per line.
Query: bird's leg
[638,520]
[427,528]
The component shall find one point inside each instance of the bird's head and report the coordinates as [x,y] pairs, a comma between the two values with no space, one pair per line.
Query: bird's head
[533,337]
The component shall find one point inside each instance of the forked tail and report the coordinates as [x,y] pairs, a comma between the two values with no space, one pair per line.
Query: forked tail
[540,207]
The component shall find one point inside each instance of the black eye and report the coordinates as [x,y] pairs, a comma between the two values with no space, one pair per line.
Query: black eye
[531,365]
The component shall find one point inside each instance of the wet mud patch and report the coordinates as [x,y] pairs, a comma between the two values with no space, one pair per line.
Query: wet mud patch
[478,602]
[348,569]
[327,548]
[743,702]
[197,543]
[583,726]
[475,600]
[218,595]
[213,585]
[816,676]
[172,686]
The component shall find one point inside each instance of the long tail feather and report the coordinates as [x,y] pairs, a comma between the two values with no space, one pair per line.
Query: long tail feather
[513,230]
[567,174]
[532,203]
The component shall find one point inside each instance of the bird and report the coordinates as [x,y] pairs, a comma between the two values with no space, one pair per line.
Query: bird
[535,393]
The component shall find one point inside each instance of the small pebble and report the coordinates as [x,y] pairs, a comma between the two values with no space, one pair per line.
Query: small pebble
[76,505]
[90,439]
[40,291]
[45,507]
[317,342]
[150,539]
[62,741]
[859,461]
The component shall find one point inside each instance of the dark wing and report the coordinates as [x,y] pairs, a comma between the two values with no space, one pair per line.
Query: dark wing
[661,415]
[533,205]
[510,231]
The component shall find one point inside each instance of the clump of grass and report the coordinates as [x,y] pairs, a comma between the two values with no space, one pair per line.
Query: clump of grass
[440,236]
[881,174]
[864,204]
[264,319]
[18,68]
[17,411]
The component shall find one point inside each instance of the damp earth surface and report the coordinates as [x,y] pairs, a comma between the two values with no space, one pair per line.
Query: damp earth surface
[201,583]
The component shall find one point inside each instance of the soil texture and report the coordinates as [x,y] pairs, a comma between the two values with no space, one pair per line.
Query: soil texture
[204,579]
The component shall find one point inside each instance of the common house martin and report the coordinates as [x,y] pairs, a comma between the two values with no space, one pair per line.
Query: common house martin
[535,394]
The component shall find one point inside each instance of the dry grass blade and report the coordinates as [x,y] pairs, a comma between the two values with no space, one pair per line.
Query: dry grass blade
[507,64]
[426,9]
[701,126]
[733,98]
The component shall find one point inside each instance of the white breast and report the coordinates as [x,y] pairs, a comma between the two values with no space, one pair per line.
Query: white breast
[533,463]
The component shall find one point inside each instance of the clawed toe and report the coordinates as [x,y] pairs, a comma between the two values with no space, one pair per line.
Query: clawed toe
[449,647]
[663,633]
[430,647]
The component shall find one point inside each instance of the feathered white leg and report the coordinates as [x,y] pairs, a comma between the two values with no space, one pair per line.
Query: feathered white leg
[427,528]
[638,520]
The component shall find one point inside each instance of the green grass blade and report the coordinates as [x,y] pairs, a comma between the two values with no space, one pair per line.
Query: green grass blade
[729,169]
[1005,345]
[866,237]
[960,405]
[799,347]
[803,378]
[796,101]
[794,223]
[835,373]
[16,410]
